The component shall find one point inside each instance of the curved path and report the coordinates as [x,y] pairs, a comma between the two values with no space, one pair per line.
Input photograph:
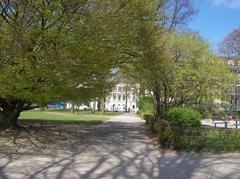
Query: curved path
[120,148]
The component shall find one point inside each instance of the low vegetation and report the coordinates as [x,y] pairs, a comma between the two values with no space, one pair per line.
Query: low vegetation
[62,117]
[183,117]
[199,139]
[145,106]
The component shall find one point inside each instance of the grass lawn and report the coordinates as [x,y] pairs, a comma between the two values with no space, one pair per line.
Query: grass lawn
[62,117]
[109,113]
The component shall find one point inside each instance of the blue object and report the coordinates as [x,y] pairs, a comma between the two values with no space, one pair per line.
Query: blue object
[225,124]
[56,106]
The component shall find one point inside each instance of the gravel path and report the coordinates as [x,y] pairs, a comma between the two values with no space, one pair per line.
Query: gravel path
[119,148]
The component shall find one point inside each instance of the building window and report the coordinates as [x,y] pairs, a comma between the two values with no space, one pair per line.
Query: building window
[119,97]
[114,97]
[238,103]
[124,97]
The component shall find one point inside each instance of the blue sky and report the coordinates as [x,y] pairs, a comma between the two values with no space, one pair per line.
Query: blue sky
[215,19]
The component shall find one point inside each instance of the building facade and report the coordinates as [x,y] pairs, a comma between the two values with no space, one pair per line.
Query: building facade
[123,98]
[234,65]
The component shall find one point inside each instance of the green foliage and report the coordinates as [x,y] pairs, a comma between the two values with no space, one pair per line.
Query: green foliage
[220,115]
[180,69]
[145,105]
[195,138]
[149,120]
[207,139]
[183,117]
[64,50]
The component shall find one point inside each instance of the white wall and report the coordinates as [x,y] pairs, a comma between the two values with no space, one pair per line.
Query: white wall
[117,99]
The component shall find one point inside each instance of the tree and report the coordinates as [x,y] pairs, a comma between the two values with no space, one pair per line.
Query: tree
[50,49]
[194,74]
[181,70]
[231,44]
[178,68]
[169,15]
[173,13]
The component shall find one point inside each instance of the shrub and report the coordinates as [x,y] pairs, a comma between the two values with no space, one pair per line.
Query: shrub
[205,112]
[145,105]
[150,121]
[183,117]
[220,115]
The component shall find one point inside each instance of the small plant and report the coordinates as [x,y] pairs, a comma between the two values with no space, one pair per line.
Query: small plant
[145,105]
[183,117]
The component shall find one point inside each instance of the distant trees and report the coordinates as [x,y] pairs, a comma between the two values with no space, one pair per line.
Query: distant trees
[231,44]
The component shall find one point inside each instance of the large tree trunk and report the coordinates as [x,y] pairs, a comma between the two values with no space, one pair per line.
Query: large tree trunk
[9,113]
[10,110]
[9,120]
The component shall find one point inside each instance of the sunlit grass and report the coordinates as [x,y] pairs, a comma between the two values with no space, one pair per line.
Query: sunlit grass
[62,117]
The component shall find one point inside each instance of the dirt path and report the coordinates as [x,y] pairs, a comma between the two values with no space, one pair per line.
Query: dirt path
[118,149]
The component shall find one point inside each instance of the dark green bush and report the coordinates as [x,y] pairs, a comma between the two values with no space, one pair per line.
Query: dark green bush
[183,117]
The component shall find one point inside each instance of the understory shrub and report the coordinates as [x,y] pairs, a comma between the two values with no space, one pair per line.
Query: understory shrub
[183,117]
[145,106]
[200,139]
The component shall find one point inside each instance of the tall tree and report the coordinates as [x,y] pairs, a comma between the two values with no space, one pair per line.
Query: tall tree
[177,68]
[170,14]
[231,44]
[51,48]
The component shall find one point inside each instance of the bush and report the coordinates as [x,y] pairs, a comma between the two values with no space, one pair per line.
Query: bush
[220,115]
[197,139]
[150,121]
[183,117]
[206,113]
[145,105]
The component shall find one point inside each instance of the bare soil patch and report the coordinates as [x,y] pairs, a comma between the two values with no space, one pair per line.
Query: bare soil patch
[44,139]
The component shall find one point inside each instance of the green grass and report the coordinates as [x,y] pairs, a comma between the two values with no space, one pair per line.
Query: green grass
[61,117]
[109,113]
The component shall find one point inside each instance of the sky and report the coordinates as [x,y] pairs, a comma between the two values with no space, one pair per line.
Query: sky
[215,19]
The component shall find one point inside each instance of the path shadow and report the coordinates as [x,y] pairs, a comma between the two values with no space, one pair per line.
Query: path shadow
[120,150]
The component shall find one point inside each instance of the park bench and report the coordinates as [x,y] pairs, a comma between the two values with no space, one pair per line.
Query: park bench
[225,120]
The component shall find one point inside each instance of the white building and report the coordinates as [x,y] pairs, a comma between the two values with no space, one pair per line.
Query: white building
[122,98]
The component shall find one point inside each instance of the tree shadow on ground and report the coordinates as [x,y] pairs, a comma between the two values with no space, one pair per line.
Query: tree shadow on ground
[119,150]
